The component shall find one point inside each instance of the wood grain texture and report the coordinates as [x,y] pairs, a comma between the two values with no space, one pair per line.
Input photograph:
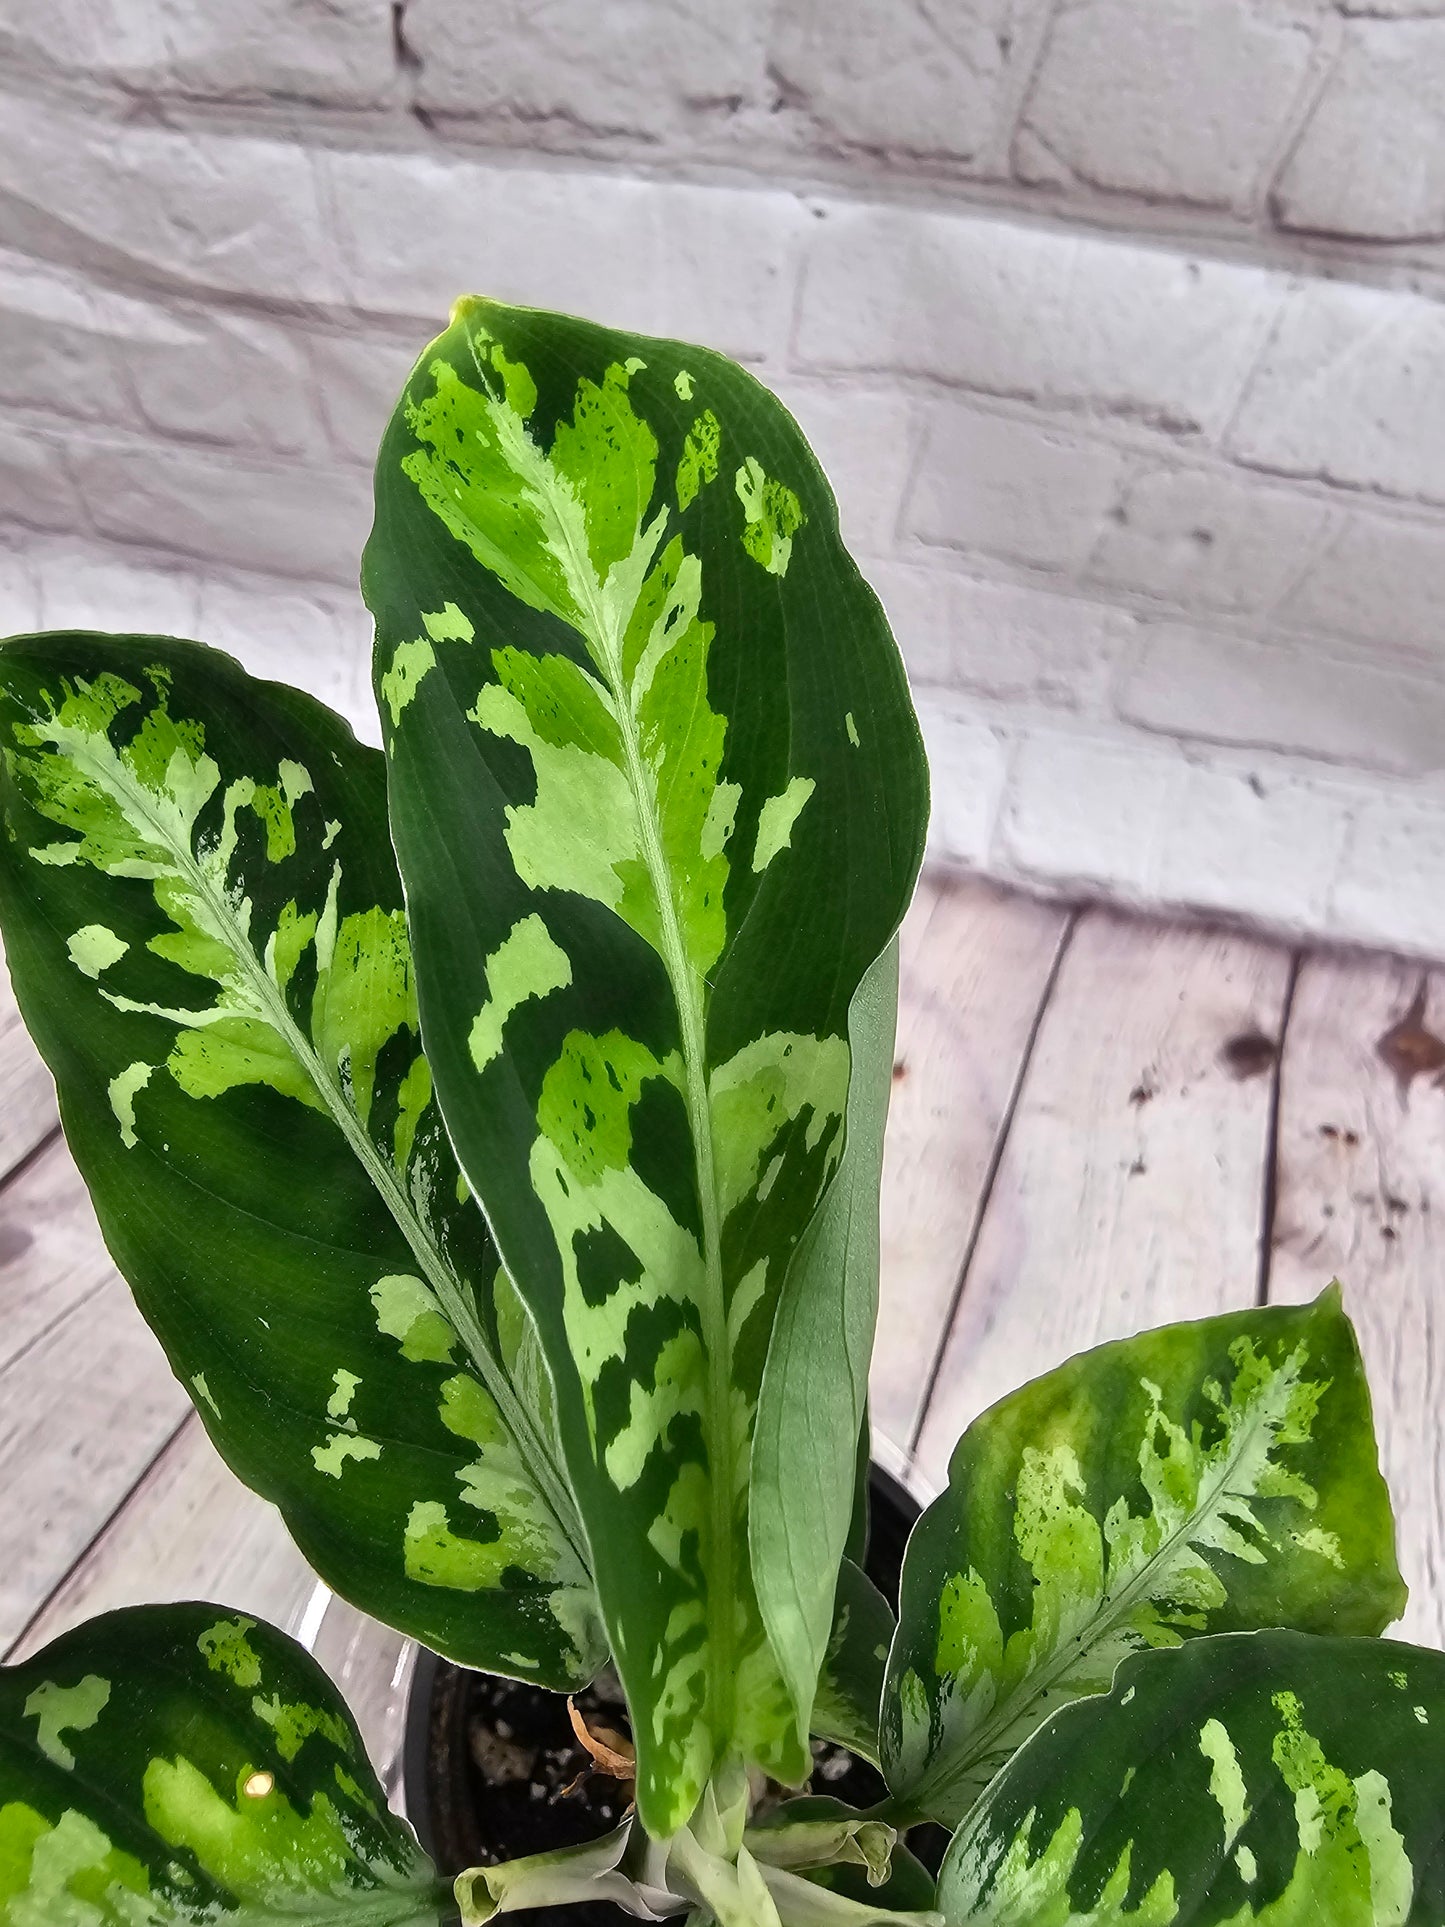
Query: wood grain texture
[83,1412]
[1130,1191]
[190,1530]
[1360,1195]
[27,1094]
[974,967]
[52,1257]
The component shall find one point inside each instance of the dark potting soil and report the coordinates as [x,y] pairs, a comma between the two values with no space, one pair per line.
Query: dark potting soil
[494,1771]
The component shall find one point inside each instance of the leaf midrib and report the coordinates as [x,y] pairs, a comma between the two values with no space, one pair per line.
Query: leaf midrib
[440,1277]
[601,632]
[1047,1675]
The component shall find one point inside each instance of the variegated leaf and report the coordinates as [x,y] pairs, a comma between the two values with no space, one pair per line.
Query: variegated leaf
[178,1766]
[1210,1477]
[203,919]
[1273,1777]
[658,797]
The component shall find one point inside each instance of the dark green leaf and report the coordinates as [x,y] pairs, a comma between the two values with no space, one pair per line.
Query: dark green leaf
[1210,1477]
[1271,1777]
[850,1685]
[202,916]
[175,1764]
[659,797]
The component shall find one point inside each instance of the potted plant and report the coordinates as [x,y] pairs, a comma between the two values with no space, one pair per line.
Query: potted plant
[491,1130]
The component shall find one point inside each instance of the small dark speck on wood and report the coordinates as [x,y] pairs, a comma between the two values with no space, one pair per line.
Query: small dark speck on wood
[1142,1093]
[1250,1054]
[900,1071]
[1409,1048]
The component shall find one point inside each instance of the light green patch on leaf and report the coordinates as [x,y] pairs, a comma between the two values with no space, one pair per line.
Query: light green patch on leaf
[409,663]
[437,1556]
[254,1844]
[852,729]
[68,1874]
[448,624]
[293,1722]
[123,1090]
[94,948]
[682,383]
[226,1649]
[776,820]
[60,1709]
[203,1391]
[407,1311]
[345,1385]
[698,463]
[1226,1780]
[332,1457]
[527,963]
[772,516]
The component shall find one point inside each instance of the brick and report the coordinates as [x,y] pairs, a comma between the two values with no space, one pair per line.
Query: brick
[54,350]
[1371,162]
[307,636]
[1087,810]
[1382,581]
[1064,319]
[893,77]
[1209,539]
[1389,887]
[1208,687]
[1168,98]
[1012,488]
[81,589]
[1001,639]
[226,212]
[635,67]
[865,443]
[336,51]
[967,763]
[358,379]
[295,521]
[221,378]
[1351,390]
[1255,842]
[712,264]
[36,488]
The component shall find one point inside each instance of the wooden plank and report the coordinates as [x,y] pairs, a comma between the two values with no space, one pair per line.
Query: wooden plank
[1130,1189]
[974,967]
[190,1530]
[83,1412]
[1360,1188]
[52,1256]
[27,1095]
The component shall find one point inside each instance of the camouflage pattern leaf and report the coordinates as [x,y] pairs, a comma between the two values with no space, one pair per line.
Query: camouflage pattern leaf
[1203,1478]
[202,916]
[178,1764]
[1273,1777]
[658,798]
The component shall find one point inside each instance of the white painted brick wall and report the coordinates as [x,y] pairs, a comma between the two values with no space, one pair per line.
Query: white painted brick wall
[1117,324]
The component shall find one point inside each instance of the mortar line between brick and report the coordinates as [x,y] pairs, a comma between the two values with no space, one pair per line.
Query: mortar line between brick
[990,1177]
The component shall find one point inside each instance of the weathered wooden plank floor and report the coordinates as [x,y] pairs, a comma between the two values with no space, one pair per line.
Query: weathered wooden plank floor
[1099,1123]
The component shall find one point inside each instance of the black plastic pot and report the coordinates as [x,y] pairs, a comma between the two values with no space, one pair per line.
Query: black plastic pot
[486,1760]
